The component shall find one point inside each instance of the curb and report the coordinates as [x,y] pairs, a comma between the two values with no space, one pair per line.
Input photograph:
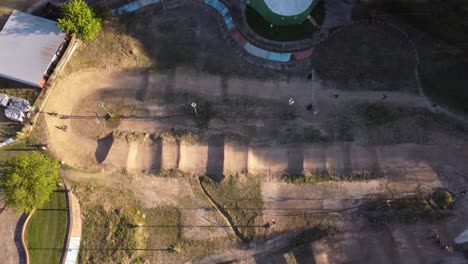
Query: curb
[23,230]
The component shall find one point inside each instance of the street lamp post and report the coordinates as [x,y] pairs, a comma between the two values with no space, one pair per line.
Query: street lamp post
[194,105]
[101,104]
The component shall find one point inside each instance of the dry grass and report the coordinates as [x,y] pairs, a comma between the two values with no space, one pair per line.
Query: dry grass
[114,220]
[112,49]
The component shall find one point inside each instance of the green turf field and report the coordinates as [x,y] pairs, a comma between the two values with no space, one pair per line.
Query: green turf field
[261,7]
[45,232]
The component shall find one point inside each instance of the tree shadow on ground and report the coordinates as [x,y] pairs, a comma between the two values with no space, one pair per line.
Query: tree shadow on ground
[103,148]
[188,37]
[19,247]
[215,162]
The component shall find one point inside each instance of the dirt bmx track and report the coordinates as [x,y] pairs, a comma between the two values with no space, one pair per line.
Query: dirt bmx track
[83,145]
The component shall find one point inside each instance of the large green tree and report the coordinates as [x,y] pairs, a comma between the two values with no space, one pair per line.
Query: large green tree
[27,181]
[79,18]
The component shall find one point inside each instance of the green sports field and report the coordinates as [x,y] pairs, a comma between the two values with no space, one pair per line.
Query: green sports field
[276,19]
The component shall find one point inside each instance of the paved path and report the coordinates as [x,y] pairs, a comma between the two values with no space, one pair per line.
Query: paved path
[11,250]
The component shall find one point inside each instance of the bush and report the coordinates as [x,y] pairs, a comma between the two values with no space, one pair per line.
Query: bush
[28,180]
[442,198]
[79,18]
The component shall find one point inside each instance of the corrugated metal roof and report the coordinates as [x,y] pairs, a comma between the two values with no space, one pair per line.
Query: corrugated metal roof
[27,46]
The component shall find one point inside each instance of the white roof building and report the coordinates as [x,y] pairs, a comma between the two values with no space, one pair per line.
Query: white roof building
[28,45]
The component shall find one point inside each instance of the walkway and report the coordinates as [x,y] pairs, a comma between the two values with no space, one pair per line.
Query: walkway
[74,228]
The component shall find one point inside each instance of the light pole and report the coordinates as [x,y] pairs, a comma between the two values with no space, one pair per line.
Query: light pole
[101,104]
[291,101]
[194,105]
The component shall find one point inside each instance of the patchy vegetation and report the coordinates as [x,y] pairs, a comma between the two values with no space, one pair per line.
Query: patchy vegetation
[171,173]
[110,235]
[113,48]
[240,198]
[117,229]
[324,176]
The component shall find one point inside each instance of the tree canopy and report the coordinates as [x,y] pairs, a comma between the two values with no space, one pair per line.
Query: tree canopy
[28,180]
[79,18]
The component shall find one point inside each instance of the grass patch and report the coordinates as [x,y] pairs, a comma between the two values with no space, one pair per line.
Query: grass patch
[114,220]
[29,144]
[112,231]
[167,222]
[29,94]
[203,112]
[171,173]
[45,232]
[326,176]
[164,228]
[288,32]
[241,198]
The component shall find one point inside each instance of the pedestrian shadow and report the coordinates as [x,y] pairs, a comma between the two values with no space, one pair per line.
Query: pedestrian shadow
[103,147]
[215,162]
